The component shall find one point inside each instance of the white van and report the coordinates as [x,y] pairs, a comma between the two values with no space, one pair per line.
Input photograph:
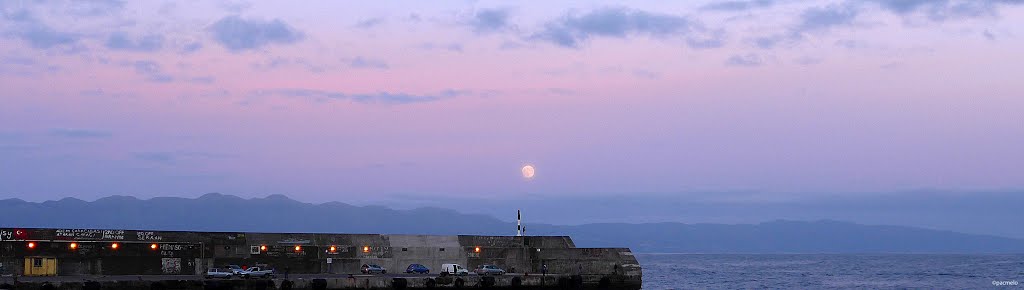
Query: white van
[453,269]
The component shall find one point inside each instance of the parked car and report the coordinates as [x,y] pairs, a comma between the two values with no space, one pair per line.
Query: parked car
[373,269]
[417,268]
[219,273]
[235,269]
[488,270]
[454,269]
[258,272]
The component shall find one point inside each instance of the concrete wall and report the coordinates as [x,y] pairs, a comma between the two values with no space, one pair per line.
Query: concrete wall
[188,253]
[607,282]
[426,250]
[588,261]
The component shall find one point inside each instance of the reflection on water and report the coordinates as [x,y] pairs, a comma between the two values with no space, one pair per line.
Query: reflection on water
[932,271]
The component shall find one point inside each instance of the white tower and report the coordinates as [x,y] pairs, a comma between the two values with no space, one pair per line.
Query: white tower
[519,223]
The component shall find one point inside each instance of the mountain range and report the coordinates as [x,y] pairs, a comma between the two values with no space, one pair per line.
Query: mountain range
[278,213]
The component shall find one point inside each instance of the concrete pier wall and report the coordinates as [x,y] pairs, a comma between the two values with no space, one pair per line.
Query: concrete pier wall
[191,253]
[376,282]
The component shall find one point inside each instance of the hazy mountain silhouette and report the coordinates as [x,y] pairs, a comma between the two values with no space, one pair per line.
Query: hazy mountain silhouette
[277,213]
[218,212]
[786,237]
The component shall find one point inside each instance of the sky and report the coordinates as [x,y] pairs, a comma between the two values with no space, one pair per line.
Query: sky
[367,102]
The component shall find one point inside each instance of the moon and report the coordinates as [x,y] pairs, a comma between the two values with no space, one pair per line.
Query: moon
[528,171]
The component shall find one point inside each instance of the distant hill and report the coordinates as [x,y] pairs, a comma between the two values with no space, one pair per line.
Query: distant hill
[784,237]
[218,212]
[277,213]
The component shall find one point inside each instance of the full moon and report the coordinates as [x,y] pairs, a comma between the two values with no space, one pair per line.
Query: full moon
[528,171]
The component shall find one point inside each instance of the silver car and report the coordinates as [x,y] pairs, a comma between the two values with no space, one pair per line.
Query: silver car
[372,269]
[219,273]
[258,272]
[489,270]
[235,269]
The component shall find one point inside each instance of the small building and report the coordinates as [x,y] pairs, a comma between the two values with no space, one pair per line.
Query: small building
[40,266]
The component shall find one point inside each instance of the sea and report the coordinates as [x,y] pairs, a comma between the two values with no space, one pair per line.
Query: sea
[832,271]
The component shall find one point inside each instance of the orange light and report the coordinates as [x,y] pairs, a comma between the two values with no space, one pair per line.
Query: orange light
[31,245]
[263,248]
[477,249]
[366,249]
[73,246]
[298,248]
[114,246]
[333,249]
[153,246]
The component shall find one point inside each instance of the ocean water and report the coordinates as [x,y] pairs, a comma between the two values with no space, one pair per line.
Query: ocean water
[845,271]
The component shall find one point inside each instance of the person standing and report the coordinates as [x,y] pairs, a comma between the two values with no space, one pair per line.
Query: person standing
[544,270]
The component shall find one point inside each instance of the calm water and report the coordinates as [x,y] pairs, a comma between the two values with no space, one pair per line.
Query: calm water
[811,271]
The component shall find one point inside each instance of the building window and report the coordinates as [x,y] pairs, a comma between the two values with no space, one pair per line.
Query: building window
[37,262]
[405,249]
[442,249]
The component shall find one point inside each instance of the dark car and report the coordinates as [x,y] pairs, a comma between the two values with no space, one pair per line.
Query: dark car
[373,269]
[417,268]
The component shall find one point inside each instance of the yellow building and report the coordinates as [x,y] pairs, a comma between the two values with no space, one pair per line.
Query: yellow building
[40,266]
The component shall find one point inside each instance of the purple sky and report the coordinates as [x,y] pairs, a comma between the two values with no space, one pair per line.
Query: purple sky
[359,102]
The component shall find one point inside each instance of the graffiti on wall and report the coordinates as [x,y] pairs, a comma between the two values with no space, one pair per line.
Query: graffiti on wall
[171,265]
[77,234]
[171,250]
[84,234]
[113,234]
[88,234]
[148,236]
